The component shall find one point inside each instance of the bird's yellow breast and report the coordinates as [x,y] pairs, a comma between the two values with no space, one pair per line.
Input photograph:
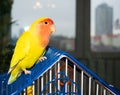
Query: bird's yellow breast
[34,52]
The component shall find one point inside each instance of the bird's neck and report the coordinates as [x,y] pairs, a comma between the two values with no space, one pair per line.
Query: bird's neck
[44,38]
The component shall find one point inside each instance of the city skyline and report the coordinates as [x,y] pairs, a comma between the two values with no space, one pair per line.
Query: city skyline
[103,19]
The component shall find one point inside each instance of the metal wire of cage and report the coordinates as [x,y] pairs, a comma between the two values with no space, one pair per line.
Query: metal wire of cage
[66,78]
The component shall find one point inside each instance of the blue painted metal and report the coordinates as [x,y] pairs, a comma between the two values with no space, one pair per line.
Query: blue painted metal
[53,55]
[65,79]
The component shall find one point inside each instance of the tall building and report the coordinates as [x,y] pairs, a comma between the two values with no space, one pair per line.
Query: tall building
[104,19]
[117,24]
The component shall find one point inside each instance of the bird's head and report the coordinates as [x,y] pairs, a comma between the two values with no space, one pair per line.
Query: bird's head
[43,25]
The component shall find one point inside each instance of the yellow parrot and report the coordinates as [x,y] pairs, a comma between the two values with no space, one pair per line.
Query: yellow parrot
[30,47]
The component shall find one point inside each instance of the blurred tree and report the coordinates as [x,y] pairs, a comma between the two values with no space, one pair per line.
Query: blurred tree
[5,33]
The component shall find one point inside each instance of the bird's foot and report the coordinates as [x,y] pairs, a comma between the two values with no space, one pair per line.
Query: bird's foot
[27,71]
[42,58]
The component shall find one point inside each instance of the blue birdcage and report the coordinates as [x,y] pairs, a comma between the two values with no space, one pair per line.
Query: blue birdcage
[59,74]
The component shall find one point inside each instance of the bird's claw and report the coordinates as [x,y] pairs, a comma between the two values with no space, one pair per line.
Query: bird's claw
[42,58]
[27,72]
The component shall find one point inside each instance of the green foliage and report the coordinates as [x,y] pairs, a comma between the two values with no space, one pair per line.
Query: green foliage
[5,34]
[5,58]
[5,6]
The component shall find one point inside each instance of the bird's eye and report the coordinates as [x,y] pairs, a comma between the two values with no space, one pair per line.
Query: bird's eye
[46,22]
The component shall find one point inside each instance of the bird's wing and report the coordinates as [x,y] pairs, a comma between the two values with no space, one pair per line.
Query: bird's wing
[21,49]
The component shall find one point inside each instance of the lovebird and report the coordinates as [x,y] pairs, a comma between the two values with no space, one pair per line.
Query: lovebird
[30,47]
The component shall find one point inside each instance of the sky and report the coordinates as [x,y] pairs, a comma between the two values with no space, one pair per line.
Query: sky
[24,12]
[61,11]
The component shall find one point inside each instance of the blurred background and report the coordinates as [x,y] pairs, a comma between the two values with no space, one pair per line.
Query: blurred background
[87,29]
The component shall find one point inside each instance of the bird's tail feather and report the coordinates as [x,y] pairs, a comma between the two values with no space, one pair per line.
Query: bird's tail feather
[13,78]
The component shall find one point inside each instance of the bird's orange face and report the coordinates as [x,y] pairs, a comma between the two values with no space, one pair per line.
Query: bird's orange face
[46,27]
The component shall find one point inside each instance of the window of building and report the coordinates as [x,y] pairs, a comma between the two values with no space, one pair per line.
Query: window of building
[24,12]
[105,25]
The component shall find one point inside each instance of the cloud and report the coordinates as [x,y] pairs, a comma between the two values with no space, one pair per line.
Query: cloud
[37,5]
